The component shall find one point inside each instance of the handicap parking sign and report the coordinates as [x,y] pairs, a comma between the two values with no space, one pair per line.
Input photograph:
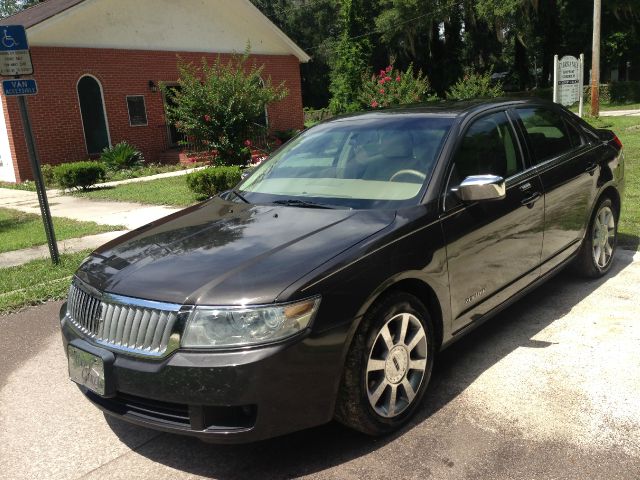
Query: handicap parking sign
[15,58]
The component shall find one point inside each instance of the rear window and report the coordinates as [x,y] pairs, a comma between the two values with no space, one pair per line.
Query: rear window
[547,133]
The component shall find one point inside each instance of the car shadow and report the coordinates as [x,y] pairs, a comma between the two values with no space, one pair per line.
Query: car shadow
[321,448]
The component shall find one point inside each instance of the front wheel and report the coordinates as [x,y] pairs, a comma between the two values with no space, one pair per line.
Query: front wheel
[388,366]
[599,246]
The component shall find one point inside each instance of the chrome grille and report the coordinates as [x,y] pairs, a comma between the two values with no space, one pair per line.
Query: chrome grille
[121,323]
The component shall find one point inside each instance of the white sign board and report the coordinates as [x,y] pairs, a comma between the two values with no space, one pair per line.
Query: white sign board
[568,80]
[15,58]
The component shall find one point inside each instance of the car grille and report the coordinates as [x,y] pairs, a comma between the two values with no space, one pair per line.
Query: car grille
[122,323]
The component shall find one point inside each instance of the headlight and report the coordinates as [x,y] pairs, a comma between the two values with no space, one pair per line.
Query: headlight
[240,326]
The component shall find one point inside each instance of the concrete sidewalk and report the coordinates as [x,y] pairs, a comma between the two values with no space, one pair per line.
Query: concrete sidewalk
[620,113]
[130,215]
[73,245]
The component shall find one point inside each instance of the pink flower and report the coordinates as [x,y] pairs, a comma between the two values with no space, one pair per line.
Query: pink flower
[374,104]
[247,143]
[387,79]
[389,68]
[381,81]
[383,73]
[207,118]
[382,90]
[398,78]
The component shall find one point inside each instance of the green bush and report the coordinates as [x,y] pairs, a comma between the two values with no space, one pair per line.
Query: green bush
[79,174]
[604,90]
[47,174]
[213,180]
[218,106]
[392,87]
[475,85]
[624,92]
[122,156]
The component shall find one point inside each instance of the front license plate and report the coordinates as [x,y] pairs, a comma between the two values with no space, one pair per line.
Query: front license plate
[86,369]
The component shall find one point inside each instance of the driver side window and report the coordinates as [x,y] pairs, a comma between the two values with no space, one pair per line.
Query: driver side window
[489,147]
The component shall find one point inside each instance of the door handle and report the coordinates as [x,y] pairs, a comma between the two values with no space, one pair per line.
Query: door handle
[531,200]
[591,168]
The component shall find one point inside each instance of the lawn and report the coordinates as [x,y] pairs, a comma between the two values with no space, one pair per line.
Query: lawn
[37,282]
[628,130]
[164,191]
[22,230]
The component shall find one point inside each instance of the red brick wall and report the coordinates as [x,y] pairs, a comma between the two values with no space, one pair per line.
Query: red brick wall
[55,112]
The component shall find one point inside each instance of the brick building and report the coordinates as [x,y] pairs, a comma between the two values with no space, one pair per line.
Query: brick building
[98,64]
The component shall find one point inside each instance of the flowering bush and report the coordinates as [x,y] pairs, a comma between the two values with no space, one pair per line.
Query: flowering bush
[218,106]
[392,87]
[475,85]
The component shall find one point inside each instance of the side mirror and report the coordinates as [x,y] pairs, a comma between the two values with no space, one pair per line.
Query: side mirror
[481,187]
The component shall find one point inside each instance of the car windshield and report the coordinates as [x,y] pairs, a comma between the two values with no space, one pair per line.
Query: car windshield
[368,162]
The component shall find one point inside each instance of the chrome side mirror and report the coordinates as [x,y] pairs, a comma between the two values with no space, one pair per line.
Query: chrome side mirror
[481,187]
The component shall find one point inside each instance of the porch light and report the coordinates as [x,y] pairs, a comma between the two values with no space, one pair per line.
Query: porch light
[152,86]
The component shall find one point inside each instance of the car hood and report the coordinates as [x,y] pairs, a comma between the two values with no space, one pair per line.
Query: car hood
[224,253]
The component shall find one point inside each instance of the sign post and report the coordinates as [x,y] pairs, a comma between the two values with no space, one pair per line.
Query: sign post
[568,81]
[15,60]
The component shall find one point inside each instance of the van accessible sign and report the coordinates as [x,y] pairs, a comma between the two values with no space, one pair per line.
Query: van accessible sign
[15,58]
[568,80]
[19,87]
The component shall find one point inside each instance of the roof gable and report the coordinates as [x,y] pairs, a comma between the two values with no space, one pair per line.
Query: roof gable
[188,25]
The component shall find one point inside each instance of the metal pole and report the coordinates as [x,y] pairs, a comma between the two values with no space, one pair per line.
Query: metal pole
[37,176]
[595,60]
[581,86]
[555,79]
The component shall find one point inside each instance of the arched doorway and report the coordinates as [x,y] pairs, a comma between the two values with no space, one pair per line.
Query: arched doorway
[94,118]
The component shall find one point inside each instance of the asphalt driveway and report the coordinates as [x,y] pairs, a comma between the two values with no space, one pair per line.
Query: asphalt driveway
[548,389]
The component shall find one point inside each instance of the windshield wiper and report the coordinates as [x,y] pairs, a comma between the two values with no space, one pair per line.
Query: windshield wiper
[291,202]
[237,194]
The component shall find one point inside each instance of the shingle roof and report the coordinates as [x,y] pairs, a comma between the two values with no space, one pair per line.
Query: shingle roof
[39,13]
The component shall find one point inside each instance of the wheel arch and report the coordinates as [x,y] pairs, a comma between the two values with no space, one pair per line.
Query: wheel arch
[417,287]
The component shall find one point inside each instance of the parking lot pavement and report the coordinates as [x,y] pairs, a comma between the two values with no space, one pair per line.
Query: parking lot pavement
[548,389]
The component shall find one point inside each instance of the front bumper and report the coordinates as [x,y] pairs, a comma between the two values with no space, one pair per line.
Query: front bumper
[226,397]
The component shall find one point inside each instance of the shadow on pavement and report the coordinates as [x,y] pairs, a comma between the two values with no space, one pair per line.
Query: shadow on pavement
[321,448]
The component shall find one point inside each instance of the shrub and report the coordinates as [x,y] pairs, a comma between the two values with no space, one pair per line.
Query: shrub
[284,136]
[219,106]
[213,180]
[475,85]
[79,174]
[122,156]
[624,92]
[393,87]
[47,174]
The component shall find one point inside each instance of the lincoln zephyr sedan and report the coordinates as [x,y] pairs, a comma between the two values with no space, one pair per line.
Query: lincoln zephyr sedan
[325,283]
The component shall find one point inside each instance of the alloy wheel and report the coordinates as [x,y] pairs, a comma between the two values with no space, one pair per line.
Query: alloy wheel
[396,365]
[603,237]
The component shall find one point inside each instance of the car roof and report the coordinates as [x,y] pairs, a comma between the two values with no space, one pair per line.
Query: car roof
[445,108]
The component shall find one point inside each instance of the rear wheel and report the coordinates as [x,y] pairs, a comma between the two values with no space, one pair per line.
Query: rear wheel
[388,366]
[599,246]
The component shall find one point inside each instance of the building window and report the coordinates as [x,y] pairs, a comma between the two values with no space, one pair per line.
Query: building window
[137,111]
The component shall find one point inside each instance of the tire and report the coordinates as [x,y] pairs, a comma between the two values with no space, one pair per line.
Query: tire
[381,360]
[599,246]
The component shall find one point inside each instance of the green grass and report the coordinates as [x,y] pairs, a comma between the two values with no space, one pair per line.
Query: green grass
[164,191]
[36,282]
[20,230]
[27,186]
[628,130]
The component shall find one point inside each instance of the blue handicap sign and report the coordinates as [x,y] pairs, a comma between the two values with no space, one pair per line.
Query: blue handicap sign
[19,87]
[13,37]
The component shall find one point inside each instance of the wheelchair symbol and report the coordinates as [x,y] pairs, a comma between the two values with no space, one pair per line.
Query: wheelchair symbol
[8,41]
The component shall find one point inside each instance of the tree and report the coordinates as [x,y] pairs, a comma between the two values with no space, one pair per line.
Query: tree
[351,57]
[10,7]
[219,105]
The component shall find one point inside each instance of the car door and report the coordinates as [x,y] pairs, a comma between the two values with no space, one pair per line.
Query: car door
[563,159]
[493,247]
